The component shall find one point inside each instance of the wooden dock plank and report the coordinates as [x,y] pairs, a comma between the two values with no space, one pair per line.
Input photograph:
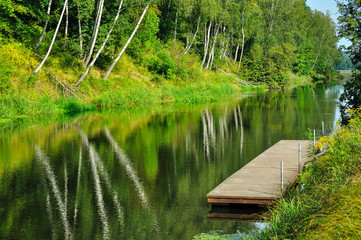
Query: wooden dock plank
[259,182]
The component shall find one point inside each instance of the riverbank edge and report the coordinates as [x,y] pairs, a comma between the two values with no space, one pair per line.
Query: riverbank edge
[326,202]
[51,91]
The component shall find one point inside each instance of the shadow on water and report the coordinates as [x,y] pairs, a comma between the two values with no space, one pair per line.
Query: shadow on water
[237,212]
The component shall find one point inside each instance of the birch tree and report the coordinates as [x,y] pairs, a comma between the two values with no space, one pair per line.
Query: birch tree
[95,32]
[127,43]
[190,43]
[80,31]
[45,26]
[207,36]
[102,47]
[53,40]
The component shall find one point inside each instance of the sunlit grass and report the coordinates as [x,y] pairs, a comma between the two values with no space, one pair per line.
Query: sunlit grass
[327,203]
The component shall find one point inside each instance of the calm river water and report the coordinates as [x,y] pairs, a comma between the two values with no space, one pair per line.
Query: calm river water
[143,173]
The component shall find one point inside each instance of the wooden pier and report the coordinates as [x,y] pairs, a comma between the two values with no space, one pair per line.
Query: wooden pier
[259,182]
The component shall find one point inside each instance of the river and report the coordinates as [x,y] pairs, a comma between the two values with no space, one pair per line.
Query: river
[143,172]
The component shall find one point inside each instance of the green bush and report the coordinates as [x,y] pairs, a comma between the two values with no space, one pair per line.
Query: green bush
[72,105]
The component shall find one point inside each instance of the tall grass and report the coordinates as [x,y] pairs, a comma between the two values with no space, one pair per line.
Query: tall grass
[327,202]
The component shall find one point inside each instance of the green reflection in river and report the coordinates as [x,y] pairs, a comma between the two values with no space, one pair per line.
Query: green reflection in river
[142,173]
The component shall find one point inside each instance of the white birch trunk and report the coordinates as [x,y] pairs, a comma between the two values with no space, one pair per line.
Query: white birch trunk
[236,55]
[176,24]
[242,50]
[206,43]
[53,40]
[80,34]
[102,47]
[193,39]
[95,32]
[225,51]
[169,3]
[46,25]
[211,57]
[127,43]
[66,22]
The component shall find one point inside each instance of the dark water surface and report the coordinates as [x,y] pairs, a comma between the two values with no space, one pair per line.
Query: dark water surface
[143,173]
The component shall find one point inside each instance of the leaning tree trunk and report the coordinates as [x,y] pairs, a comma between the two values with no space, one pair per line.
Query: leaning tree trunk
[46,25]
[242,50]
[236,55]
[66,23]
[206,43]
[95,32]
[194,38]
[102,47]
[211,56]
[176,24]
[127,43]
[80,34]
[54,37]
[169,3]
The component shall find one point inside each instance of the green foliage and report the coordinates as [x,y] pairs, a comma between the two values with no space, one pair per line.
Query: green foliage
[6,71]
[162,64]
[72,105]
[316,210]
[344,63]
[201,93]
[254,64]
[146,39]
[351,98]
[304,62]
[19,106]
[350,19]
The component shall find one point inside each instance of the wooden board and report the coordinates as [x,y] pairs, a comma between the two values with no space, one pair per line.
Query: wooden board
[259,182]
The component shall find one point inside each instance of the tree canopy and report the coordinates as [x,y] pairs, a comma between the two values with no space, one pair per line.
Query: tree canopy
[350,28]
[260,40]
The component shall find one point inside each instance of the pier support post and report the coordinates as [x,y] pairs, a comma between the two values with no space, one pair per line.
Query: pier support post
[282,178]
[314,141]
[299,159]
[314,137]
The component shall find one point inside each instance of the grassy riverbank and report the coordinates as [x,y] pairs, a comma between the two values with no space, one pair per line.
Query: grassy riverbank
[327,203]
[51,91]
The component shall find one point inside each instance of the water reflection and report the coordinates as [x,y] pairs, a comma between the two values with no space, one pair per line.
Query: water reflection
[142,173]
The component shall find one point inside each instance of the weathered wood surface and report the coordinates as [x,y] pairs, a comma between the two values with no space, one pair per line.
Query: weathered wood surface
[259,182]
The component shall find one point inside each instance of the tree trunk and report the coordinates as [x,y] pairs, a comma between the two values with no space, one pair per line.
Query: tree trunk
[211,57]
[54,37]
[80,34]
[194,38]
[95,32]
[46,25]
[271,25]
[176,23]
[236,55]
[102,47]
[242,50]
[169,3]
[66,23]
[225,51]
[127,43]
[206,43]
